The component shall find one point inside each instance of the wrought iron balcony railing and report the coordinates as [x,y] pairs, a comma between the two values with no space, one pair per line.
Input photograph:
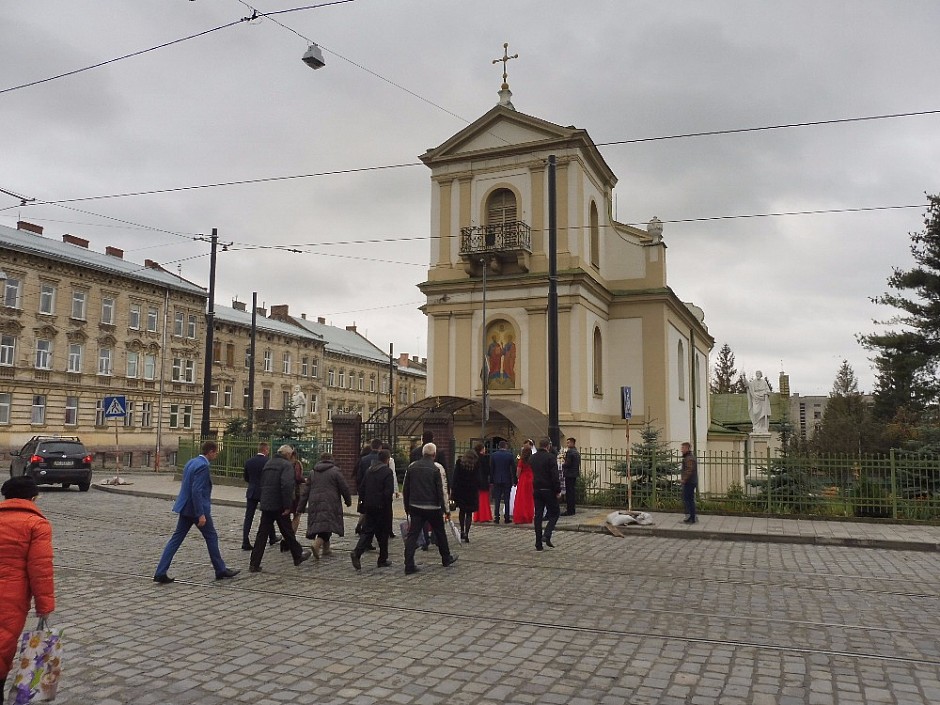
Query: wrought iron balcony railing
[504,237]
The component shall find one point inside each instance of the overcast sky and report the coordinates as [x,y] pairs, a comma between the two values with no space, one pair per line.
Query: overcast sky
[404,75]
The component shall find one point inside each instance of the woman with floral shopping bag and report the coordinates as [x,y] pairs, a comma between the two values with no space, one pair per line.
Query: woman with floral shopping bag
[26,572]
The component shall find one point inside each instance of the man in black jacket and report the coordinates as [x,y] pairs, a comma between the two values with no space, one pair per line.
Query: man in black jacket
[375,499]
[571,466]
[423,493]
[252,475]
[546,488]
[277,502]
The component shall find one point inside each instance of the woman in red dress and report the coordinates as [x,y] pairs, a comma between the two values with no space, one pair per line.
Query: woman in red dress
[484,511]
[523,511]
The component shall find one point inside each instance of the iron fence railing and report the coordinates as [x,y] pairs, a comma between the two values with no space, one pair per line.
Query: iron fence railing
[501,237]
[235,450]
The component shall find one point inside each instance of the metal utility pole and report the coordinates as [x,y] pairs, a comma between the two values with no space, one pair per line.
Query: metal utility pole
[210,337]
[251,368]
[391,379]
[554,431]
[484,414]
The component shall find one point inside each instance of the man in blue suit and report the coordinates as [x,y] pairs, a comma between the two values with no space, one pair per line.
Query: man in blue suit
[194,505]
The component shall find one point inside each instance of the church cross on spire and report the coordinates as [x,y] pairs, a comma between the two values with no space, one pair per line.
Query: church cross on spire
[505,59]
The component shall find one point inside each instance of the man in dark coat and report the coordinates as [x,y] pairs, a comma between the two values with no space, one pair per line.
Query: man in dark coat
[252,474]
[503,477]
[689,482]
[423,493]
[277,502]
[571,467]
[546,489]
[366,461]
[375,498]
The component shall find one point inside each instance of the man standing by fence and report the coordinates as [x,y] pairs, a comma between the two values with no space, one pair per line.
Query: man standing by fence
[252,476]
[571,466]
[689,482]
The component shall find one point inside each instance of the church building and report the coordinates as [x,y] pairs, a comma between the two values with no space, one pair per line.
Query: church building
[619,322]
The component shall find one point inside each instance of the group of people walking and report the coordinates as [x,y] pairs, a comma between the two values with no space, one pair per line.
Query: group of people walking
[283,492]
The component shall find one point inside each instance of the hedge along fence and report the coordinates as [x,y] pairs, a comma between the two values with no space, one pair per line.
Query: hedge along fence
[898,485]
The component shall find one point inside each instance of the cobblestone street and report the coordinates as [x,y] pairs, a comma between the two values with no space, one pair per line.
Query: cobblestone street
[596,620]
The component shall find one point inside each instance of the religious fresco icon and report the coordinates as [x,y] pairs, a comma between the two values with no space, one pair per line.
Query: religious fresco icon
[501,354]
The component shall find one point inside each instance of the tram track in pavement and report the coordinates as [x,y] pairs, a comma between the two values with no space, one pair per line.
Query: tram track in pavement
[267,591]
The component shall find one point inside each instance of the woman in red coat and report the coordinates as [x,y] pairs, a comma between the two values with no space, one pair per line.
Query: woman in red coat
[25,565]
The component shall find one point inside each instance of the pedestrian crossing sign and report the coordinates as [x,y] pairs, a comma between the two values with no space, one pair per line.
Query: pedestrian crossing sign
[115,407]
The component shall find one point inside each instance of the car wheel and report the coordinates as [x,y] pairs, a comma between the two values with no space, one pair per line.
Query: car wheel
[83,486]
[66,485]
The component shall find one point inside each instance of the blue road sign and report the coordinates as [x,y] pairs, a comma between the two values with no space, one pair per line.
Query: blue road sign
[115,407]
[626,402]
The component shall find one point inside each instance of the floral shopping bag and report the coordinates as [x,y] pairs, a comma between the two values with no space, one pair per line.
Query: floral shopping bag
[37,666]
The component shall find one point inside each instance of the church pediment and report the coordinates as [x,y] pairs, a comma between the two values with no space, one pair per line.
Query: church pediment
[497,130]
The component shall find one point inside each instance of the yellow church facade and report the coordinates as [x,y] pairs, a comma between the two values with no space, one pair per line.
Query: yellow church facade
[619,322]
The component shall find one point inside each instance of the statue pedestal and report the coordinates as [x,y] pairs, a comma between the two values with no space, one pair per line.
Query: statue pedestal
[757,445]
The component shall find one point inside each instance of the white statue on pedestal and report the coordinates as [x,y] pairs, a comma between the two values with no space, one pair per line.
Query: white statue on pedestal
[299,400]
[758,403]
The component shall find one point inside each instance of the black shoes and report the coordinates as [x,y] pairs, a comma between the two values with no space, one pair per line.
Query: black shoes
[411,570]
[357,564]
[303,557]
[449,561]
[247,547]
[384,564]
[548,542]
[163,579]
[370,547]
[495,520]
[227,573]
[254,569]
[690,520]
[464,539]
[538,547]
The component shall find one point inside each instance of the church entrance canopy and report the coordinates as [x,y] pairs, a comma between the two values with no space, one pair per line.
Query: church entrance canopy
[528,421]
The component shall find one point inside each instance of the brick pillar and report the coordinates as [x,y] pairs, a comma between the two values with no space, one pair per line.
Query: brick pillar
[347,442]
[442,426]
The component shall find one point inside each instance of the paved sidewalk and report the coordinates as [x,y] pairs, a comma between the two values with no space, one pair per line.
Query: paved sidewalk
[906,537]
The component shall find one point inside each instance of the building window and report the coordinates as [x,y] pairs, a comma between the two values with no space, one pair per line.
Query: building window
[76,353]
[146,414]
[342,378]
[150,366]
[11,294]
[414,395]
[244,397]
[133,362]
[314,369]
[598,367]
[372,383]
[152,314]
[99,412]
[181,416]
[71,411]
[247,358]
[329,412]
[268,361]
[43,354]
[79,305]
[191,328]
[47,298]
[304,366]
[217,352]
[230,354]
[384,384]
[6,400]
[107,310]
[214,395]
[314,403]
[285,363]
[680,369]
[183,370]
[178,320]
[285,400]
[129,415]
[595,237]
[500,209]
[133,317]
[362,380]
[227,396]
[265,398]
[330,378]
[174,415]
[39,409]
[104,361]
[7,350]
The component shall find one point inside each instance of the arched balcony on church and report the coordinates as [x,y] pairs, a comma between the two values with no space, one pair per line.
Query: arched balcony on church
[501,240]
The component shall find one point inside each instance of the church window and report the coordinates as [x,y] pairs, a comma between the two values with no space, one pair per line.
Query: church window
[595,237]
[680,369]
[501,207]
[598,362]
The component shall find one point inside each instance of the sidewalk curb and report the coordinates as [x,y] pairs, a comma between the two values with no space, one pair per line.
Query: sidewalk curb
[643,531]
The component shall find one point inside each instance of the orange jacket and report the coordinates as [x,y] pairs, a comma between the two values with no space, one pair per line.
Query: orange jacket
[25,571]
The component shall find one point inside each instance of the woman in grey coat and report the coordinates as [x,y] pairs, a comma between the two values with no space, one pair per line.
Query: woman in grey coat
[320,498]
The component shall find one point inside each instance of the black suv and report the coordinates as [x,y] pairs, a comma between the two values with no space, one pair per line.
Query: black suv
[51,460]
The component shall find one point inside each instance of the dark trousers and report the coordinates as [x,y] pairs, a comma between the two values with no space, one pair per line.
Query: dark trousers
[251,505]
[418,518]
[266,533]
[688,499]
[571,493]
[374,524]
[545,499]
[502,491]
[466,521]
